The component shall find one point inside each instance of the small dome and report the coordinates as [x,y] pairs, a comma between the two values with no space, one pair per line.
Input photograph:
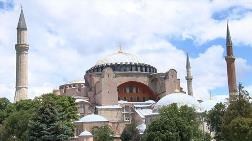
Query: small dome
[119,57]
[93,118]
[180,99]
[150,101]
[85,133]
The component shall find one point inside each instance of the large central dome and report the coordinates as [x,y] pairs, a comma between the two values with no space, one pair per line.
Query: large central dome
[119,57]
[122,62]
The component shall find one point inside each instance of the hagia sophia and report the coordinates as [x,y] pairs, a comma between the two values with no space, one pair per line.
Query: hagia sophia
[120,88]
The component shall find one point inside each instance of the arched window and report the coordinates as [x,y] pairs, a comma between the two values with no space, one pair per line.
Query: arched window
[134,89]
[137,99]
[130,89]
[127,90]
[133,68]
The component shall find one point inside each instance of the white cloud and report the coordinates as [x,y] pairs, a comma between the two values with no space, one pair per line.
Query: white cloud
[66,38]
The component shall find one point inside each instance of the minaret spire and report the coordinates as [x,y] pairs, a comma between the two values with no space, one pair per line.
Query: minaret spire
[230,60]
[228,38]
[22,48]
[21,21]
[189,76]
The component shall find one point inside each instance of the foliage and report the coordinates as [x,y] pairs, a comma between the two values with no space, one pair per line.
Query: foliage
[239,129]
[238,115]
[64,104]
[4,109]
[235,122]
[130,133]
[174,124]
[103,133]
[15,126]
[215,120]
[15,117]
[46,124]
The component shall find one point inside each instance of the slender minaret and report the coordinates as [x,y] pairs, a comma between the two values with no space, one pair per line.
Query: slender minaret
[230,59]
[189,76]
[22,48]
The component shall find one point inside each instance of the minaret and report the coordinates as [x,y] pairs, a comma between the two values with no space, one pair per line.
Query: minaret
[189,76]
[230,59]
[22,48]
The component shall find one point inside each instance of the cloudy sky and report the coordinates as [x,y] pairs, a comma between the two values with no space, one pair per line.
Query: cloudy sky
[67,37]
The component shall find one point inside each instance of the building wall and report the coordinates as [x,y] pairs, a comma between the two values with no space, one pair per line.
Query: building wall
[108,93]
[103,87]
[84,108]
[80,127]
[74,89]
[172,83]
[89,138]
[112,114]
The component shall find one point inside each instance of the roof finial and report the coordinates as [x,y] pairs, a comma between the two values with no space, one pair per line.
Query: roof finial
[210,95]
[120,48]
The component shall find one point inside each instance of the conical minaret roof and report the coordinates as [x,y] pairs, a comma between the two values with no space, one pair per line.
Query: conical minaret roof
[228,38]
[188,65]
[21,21]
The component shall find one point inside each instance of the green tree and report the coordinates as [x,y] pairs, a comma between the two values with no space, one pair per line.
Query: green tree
[66,108]
[238,116]
[175,124]
[239,129]
[15,117]
[15,126]
[130,133]
[215,120]
[46,124]
[103,133]
[5,109]
[65,105]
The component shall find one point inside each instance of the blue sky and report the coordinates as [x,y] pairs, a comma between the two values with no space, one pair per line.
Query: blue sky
[67,37]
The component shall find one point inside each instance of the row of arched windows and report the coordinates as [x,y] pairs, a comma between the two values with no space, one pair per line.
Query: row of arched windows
[130,89]
[125,68]
[134,99]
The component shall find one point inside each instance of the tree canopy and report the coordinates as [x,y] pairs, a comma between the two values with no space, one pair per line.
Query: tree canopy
[215,120]
[130,133]
[23,120]
[234,122]
[103,133]
[175,124]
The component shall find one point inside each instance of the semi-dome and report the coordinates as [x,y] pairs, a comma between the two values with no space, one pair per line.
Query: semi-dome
[180,99]
[119,57]
[93,118]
